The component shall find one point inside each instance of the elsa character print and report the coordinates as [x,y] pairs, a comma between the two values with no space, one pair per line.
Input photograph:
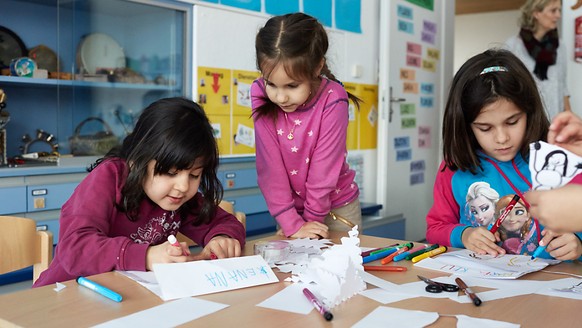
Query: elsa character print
[481,200]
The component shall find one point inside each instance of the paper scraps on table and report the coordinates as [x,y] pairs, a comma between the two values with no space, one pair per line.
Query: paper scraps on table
[59,286]
[552,166]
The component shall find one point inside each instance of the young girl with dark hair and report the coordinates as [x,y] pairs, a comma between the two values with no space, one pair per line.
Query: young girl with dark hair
[492,114]
[300,111]
[161,181]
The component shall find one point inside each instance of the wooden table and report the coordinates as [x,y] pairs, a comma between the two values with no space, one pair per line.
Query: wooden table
[76,306]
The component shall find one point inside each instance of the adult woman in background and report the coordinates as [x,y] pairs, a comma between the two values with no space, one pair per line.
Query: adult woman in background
[539,48]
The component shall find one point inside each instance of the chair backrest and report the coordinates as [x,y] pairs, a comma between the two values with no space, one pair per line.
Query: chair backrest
[22,246]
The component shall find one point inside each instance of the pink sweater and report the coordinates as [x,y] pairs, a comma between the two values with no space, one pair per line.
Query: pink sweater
[95,237]
[304,178]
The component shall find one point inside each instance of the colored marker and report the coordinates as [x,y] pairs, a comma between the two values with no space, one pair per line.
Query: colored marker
[174,242]
[99,289]
[422,251]
[392,268]
[390,257]
[405,254]
[213,256]
[539,250]
[434,252]
[366,253]
[507,210]
[476,300]
[378,256]
[384,249]
[317,304]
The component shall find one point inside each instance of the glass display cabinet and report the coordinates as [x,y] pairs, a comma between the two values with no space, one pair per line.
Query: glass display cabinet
[75,71]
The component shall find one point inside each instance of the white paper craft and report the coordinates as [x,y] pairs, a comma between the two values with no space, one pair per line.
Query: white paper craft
[552,166]
[179,280]
[467,263]
[335,275]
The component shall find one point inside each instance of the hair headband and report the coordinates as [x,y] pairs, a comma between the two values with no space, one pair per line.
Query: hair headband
[493,69]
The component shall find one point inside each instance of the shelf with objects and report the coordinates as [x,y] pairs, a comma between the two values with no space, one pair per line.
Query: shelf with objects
[65,61]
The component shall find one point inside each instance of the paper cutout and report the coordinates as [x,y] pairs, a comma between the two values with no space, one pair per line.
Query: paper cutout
[467,263]
[384,316]
[170,314]
[335,274]
[179,280]
[59,287]
[552,166]
[290,299]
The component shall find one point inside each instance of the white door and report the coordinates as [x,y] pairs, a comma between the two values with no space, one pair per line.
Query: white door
[416,67]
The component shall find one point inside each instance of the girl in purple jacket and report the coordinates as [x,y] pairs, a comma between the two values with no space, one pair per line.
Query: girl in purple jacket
[300,112]
[161,181]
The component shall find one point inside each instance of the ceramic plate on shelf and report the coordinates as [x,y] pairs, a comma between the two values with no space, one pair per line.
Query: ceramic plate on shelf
[45,58]
[99,50]
[11,46]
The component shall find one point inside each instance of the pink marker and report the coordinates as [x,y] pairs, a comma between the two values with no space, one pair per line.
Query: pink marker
[174,242]
[213,256]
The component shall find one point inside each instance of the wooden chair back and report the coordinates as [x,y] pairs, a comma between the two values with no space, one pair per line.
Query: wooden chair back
[22,246]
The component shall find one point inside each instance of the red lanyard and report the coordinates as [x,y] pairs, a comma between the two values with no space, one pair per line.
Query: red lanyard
[517,191]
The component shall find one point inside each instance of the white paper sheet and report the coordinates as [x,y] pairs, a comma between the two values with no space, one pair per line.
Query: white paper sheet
[170,314]
[467,263]
[145,278]
[290,299]
[384,316]
[179,280]
[464,321]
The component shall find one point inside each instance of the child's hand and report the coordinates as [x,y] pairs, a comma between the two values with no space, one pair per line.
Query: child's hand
[222,247]
[562,247]
[566,132]
[166,253]
[312,230]
[481,241]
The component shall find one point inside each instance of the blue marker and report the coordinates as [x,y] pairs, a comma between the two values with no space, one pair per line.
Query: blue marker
[99,289]
[538,251]
[377,256]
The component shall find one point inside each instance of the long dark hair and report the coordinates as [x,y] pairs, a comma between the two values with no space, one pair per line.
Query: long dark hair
[299,43]
[174,132]
[471,90]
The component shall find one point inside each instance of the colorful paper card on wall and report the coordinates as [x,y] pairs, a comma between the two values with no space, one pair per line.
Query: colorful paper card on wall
[406,27]
[404,12]
[433,53]
[401,142]
[408,122]
[410,87]
[403,155]
[407,74]
[426,4]
[222,132]
[241,86]
[407,109]
[214,90]
[352,133]
[414,61]
[414,48]
[347,14]
[368,116]
[426,102]
[424,137]
[416,178]
[178,280]
[429,65]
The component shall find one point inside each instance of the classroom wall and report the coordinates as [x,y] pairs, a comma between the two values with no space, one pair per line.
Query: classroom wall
[225,38]
[476,32]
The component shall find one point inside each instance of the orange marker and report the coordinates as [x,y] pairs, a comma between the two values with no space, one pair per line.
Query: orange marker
[389,258]
[392,268]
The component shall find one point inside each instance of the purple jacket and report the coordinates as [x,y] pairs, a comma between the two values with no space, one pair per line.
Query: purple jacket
[95,237]
[304,178]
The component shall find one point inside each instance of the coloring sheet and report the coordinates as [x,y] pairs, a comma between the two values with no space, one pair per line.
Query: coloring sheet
[552,166]
[467,263]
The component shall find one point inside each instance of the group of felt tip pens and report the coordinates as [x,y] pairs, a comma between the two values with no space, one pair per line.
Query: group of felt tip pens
[398,252]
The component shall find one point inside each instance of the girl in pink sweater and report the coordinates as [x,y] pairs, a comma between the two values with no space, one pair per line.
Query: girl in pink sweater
[300,112]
